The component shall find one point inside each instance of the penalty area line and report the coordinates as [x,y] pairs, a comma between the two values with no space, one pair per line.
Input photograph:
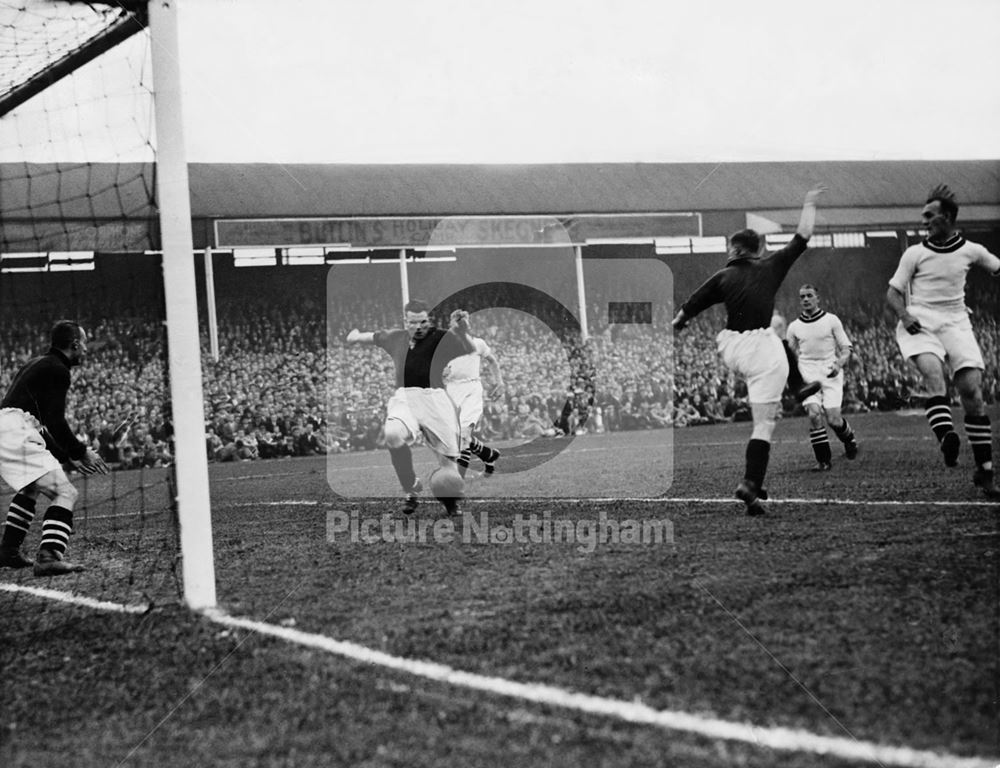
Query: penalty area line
[771,737]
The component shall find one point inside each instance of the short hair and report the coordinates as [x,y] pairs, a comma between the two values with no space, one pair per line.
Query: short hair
[944,196]
[64,333]
[747,239]
[416,306]
[810,287]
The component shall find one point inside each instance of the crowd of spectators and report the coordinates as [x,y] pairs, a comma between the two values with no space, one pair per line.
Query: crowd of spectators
[285,383]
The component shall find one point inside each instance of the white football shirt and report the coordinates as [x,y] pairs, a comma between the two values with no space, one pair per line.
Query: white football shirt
[819,338]
[467,367]
[934,275]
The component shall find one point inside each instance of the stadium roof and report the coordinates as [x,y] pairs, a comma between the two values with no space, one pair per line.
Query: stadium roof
[860,194]
[372,190]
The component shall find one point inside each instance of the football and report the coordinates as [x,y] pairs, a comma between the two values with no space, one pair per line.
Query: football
[446,483]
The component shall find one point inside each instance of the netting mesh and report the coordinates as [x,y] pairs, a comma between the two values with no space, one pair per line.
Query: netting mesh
[76,158]
[77,231]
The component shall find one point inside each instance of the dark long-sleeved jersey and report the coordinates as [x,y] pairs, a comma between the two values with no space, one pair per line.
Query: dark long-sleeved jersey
[422,364]
[747,287]
[40,388]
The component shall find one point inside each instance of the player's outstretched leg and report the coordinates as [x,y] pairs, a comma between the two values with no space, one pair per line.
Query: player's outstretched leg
[489,456]
[799,388]
[19,517]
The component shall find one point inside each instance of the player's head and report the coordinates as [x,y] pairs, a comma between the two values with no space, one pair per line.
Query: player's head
[809,298]
[69,338]
[417,318]
[939,212]
[744,244]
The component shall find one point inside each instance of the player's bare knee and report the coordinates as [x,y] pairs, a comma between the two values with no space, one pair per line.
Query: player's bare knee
[58,490]
[67,495]
[815,416]
[396,434]
[969,382]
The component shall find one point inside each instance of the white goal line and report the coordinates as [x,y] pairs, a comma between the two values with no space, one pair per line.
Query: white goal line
[770,737]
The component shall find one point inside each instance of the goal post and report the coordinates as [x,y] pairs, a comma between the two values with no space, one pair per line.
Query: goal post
[92,156]
[193,498]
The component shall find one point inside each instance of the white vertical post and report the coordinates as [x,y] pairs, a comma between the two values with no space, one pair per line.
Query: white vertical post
[404,278]
[213,320]
[581,294]
[194,511]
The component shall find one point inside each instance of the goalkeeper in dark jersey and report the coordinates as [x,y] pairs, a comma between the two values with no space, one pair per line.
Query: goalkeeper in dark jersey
[749,346]
[35,441]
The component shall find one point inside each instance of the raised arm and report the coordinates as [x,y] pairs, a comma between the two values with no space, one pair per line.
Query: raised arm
[360,337]
[807,221]
[459,325]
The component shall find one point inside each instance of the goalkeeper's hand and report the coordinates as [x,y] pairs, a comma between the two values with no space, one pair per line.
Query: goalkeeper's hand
[90,464]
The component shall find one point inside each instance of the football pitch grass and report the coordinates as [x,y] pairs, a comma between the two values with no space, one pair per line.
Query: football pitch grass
[860,615]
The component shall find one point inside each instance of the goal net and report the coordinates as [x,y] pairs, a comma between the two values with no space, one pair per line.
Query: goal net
[80,239]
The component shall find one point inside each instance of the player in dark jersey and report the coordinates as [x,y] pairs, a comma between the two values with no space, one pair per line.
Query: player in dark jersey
[34,441]
[747,286]
[420,404]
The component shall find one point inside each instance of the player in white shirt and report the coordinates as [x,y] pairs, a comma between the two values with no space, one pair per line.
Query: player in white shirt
[823,349]
[934,330]
[465,387]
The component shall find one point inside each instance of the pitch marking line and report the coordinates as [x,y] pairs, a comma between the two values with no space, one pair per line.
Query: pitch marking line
[633,500]
[69,597]
[781,739]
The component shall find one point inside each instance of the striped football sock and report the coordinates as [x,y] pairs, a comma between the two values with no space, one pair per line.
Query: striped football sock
[19,517]
[980,434]
[56,529]
[821,445]
[844,432]
[463,461]
[938,412]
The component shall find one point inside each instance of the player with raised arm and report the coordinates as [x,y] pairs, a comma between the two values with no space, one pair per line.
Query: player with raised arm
[462,379]
[34,439]
[749,346]
[934,330]
[420,403]
[823,349]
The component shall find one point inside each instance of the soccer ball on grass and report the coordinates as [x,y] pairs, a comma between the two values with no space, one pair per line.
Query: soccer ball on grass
[446,483]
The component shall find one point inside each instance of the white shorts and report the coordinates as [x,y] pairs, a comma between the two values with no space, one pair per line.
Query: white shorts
[468,398]
[23,455]
[431,412]
[946,335]
[759,357]
[832,393]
